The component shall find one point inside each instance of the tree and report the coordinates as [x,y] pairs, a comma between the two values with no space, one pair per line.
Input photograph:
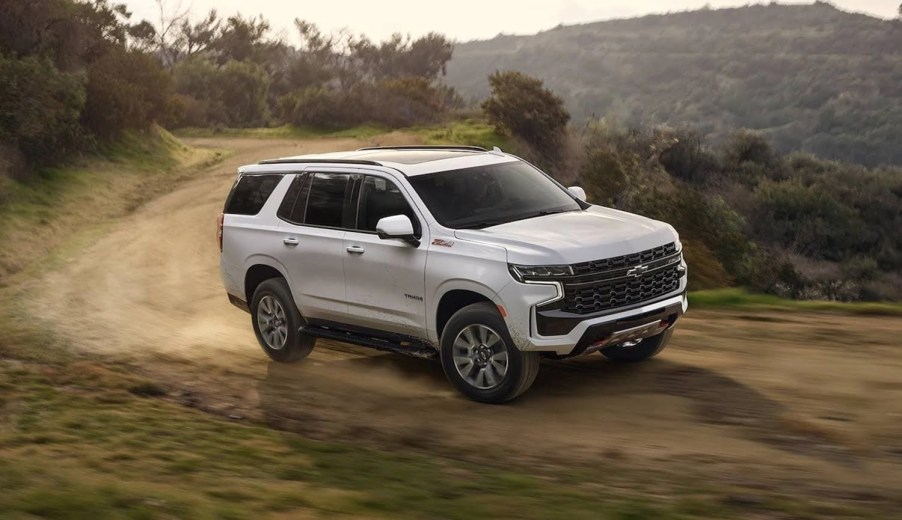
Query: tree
[126,89]
[195,38]
[39,109]
[241,39]
[521,106]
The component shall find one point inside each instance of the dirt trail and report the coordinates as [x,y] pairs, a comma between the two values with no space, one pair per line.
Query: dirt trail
[801,400]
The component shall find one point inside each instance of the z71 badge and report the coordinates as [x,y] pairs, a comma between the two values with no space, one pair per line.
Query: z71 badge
[442,242]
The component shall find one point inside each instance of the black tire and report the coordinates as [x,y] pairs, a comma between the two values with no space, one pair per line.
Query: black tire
[645,349]
[272,294]
[521,367]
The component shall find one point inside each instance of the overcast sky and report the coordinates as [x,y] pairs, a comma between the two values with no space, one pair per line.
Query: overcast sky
[461,20]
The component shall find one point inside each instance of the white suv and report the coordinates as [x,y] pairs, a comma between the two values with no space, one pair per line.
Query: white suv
[474,257]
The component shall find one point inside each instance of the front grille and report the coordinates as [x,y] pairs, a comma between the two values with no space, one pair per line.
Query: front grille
[619,262]
[602,285]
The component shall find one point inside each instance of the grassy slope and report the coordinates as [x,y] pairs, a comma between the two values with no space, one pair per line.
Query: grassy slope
[282,132]
[84,438]
[740,299]
[466,132]
[56,207]
[76,442]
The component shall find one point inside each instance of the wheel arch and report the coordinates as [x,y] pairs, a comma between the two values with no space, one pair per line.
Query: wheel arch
[452,301]
[259,270]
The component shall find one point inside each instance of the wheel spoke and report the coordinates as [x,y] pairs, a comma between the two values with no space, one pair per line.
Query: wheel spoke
[480,378]
[463,346]
[464,365]
[264,304]
[490,375]
[469,337]
[483,335]
[492,339]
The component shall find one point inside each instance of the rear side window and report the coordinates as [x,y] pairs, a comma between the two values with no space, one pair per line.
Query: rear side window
[326,203]
[250,193]
[295,202]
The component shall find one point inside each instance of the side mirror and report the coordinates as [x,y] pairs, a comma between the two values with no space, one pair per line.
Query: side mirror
[397,226]
[577,192]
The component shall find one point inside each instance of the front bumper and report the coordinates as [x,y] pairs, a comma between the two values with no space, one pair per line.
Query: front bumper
[596,333]
[587,330]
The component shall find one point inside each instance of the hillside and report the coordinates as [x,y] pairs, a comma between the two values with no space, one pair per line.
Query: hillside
[811,77]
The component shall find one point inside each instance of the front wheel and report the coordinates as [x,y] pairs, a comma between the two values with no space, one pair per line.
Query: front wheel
[480,358]
[638,351]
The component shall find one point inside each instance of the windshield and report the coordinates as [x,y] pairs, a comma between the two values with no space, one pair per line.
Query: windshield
[473,198]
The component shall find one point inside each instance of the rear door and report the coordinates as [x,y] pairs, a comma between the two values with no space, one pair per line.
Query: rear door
[384,279]
[312,228]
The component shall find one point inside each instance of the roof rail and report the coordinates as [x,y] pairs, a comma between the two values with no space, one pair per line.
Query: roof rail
[426,147]
[320,161]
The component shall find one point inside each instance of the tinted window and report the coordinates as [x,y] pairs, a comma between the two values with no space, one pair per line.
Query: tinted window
[249,194]
[326,202]
[295,201]
[381,198]
[490,195]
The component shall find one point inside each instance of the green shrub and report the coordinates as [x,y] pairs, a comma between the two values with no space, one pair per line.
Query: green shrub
[521,105]
[319,107]
[39,109]
[235,94]
[126,90]
[244,88]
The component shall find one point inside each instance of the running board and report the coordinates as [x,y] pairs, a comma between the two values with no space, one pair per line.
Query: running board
[408,348]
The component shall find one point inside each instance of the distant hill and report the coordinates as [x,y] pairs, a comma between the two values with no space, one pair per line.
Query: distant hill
[812,77]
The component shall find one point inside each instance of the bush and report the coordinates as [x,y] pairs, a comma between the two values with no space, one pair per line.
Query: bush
[244,88]
[320,108]
[392,103]
[39,109]
[521,105]
[686,158]
[125,90]
[806,220]
[234,94]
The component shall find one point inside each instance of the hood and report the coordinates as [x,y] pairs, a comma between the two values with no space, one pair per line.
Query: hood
[573,237]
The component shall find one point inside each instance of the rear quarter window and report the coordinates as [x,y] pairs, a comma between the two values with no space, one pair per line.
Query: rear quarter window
[250,193]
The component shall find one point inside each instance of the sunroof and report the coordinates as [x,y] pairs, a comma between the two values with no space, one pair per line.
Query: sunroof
[411,156]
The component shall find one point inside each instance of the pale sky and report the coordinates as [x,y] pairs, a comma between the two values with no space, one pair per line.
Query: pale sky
[461,20]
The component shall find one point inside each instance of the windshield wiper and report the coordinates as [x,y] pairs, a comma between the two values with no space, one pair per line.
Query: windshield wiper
[480,225]
[549,212]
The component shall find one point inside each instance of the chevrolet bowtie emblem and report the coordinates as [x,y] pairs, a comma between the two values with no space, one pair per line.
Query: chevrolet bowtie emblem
[637,271]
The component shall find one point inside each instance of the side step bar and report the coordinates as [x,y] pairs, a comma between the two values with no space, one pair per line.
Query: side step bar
[408,348]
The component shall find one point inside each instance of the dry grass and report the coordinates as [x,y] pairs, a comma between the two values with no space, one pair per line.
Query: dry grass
[68,206]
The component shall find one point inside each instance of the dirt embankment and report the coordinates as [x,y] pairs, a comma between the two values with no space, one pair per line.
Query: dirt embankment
[811,401]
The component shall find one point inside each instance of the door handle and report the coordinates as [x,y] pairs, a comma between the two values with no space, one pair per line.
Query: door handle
[290,241]
[355,250]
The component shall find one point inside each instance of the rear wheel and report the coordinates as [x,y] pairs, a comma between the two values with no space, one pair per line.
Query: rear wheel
[480,358]
[641,350]
[277,322]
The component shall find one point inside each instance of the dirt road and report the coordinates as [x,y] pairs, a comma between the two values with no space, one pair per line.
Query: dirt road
[797,400]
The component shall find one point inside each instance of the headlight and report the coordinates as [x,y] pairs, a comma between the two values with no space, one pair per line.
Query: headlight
[522,272]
